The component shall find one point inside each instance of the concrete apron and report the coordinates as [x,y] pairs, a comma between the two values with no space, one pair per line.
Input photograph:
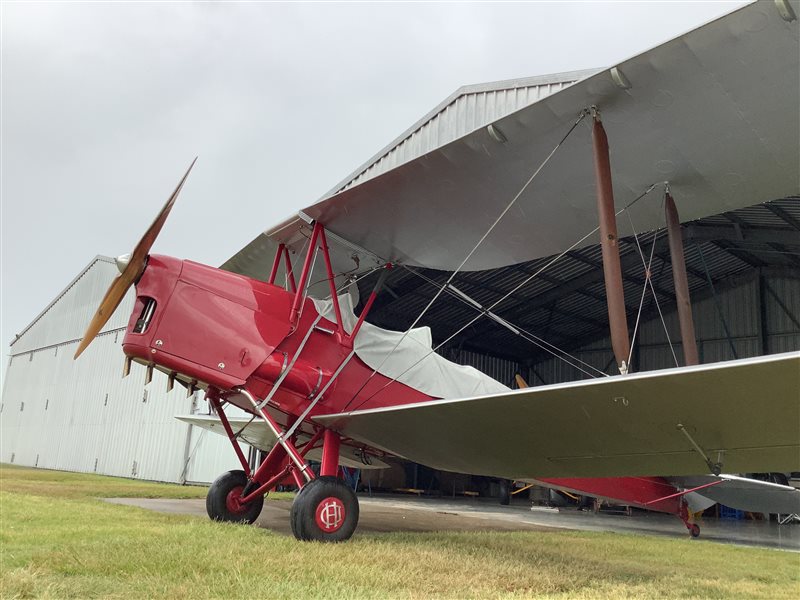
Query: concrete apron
[402,514]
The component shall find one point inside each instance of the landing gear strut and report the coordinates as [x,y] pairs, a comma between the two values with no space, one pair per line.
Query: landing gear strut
[325,509]
[694,528]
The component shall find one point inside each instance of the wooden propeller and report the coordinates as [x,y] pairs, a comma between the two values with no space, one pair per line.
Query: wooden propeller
[131,272]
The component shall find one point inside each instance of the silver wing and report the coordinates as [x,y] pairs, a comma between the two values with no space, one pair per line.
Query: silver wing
[745,494]
[714,111]
[744,414]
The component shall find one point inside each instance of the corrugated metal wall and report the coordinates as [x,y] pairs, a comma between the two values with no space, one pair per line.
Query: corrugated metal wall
[727,326]
[58,413]
[82,416]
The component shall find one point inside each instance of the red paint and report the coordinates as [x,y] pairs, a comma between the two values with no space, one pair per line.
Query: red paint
[294,314]
[228,331]
[273,462]
[283,253]
[276,262]
[652,493]
[330,514]
[269,484]
[289,272]
[330,454]
[233,501]
[227,426]
[331,282]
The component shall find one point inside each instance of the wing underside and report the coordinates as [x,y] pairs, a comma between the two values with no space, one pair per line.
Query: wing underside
[744,414]
[713,111]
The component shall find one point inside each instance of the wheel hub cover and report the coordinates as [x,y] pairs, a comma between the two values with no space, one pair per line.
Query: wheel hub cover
[233,500]
[330,514]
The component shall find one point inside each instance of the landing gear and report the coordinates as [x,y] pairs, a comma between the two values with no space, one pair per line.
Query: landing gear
[325,510]
[685,516]
[223,501]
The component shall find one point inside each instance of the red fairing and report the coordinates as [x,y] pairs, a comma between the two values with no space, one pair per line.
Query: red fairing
[230,331]
[635,491]
[208,324]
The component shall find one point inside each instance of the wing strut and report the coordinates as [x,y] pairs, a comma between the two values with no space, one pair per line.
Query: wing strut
[612,270]
[688,339]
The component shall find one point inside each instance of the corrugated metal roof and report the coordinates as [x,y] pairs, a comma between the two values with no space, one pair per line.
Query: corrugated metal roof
[72,309]
[467,109]
[566,303]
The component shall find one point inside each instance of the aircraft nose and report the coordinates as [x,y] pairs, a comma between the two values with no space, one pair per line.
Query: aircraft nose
[122,261]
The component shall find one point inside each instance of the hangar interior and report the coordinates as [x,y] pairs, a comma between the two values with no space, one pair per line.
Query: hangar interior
[744,277]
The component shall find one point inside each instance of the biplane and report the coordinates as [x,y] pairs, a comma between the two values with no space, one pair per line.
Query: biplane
[714,112]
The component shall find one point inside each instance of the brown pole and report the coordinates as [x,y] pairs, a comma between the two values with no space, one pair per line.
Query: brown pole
[612,270]
[688,339]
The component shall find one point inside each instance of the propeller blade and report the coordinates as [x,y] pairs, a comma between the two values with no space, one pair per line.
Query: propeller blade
[132,271]
[139,254]
[114,295]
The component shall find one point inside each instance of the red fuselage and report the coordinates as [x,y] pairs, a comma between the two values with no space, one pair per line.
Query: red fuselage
[228,331]
[216,329]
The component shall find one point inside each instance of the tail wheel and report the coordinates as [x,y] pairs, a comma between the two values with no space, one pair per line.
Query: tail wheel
[325,510]
[694,530]
[223,501]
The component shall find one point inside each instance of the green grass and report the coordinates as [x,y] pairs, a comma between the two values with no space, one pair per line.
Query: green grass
[59,541]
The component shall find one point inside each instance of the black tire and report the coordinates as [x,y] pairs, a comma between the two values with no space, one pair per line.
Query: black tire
[505,492]
[320,499]
[694,530]
[220,499]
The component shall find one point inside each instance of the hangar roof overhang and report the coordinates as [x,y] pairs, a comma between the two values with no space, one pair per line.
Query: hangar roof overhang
[714,111]
[564,302]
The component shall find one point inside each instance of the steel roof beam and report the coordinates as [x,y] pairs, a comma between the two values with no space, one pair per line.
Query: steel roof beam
[783,214]
[713,233]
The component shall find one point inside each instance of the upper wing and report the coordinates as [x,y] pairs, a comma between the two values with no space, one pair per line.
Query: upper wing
[744,413]
[714,111]
[744,493]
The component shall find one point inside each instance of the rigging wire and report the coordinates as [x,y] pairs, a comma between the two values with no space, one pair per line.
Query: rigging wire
[513,327]
[649,280]
[492,307]
[580,118]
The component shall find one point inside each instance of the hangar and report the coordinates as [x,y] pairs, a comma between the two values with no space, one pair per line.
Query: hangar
[743,268]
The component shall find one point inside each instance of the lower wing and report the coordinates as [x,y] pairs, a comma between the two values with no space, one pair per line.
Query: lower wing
[740,416]
[257,434]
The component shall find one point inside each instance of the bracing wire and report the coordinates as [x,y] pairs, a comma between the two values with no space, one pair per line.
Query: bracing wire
[649,282]
[580,118]
[515,328]
[492,307]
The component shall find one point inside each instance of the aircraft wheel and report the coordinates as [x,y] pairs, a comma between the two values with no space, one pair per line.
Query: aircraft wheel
[694,530]
[325,510]
[222,500]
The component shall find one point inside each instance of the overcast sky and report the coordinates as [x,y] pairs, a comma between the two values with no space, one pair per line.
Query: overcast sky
[105,104]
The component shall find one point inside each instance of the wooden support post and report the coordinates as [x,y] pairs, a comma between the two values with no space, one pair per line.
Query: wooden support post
[688,339]
[612,270]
